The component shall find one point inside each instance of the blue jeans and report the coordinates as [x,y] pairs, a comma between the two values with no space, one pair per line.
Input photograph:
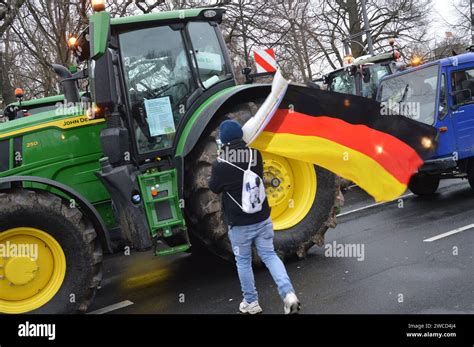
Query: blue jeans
[261,234]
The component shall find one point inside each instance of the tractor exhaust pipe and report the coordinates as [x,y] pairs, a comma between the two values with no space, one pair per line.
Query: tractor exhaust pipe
[68,85]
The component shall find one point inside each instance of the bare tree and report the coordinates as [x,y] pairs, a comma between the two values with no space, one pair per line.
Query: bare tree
[461,25]
[9,10]
[405,20]
[307,35]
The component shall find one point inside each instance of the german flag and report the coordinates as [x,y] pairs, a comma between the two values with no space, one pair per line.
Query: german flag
[349,136]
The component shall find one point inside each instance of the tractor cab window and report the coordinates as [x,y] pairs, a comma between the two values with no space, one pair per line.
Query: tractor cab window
[208,53]
[158,81]
[370,83]
[342,82]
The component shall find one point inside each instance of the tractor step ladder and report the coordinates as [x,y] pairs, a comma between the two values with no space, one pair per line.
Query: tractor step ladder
[159,191]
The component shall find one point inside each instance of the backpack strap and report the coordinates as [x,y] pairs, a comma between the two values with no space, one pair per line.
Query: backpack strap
[251,159]
[230,196]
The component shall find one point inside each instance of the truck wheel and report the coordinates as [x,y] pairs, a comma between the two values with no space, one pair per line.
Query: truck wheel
[304,201]
[470,174]
[424,186]
[61,269]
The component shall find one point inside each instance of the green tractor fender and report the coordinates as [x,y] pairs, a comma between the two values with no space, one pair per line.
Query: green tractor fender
[212,109]
[85,206]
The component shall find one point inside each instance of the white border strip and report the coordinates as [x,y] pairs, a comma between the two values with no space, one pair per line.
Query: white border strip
[374,205]
[113,307]
[449,233]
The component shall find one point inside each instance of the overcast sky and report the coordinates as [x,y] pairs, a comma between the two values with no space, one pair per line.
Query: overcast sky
[443,9]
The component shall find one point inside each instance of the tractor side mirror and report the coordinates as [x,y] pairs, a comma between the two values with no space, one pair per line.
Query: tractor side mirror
[103,81]
[247,71]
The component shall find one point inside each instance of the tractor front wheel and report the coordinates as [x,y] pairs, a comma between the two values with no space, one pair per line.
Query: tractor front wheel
[52,258]
[304,198]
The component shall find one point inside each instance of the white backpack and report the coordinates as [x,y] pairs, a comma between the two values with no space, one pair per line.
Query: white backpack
[253,189]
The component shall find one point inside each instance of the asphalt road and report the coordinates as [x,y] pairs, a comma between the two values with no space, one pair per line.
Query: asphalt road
[399,272]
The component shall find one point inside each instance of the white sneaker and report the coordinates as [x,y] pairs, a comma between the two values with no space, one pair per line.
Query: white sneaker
[292,304]
[253,308]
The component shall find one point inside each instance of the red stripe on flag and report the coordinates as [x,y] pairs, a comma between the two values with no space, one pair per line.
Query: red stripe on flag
[394,155]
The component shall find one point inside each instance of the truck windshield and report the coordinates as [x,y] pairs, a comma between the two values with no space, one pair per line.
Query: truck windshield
[411,94]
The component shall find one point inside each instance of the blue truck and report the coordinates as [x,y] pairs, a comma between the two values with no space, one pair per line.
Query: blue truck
[439,93]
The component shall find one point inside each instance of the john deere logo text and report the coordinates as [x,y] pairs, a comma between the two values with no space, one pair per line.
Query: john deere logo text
[75,122]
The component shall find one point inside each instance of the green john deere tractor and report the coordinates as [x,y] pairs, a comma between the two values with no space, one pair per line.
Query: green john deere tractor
[134,164]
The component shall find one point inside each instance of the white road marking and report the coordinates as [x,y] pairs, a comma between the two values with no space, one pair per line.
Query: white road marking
[113,307]
[449,233]
[373,205]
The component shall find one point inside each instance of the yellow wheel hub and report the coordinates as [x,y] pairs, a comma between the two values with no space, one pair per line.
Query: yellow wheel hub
[32,269]
[291,189]
[20,271]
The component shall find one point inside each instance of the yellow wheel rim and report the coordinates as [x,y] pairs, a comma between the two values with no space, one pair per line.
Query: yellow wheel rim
[291,189]
[32,269]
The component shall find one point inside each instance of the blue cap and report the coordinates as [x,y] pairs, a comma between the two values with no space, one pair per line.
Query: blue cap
[230,130]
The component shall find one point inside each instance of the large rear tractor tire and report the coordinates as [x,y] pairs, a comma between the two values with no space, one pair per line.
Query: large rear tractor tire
[424,185]
[59,269]
[304,199]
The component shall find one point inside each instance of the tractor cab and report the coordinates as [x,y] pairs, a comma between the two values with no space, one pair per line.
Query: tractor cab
[361,76]
[157,67]
[441,94]
[148,75]
[165,69]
